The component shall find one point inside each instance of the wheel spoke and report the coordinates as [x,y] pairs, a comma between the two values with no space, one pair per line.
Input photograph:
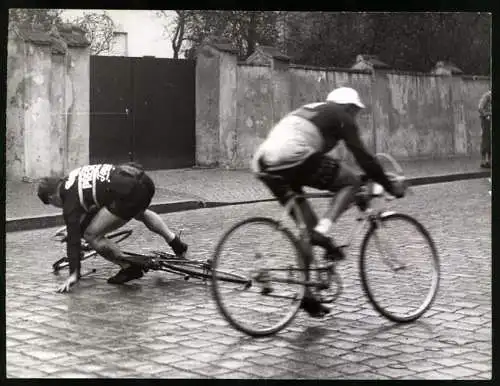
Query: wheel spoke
[387,253]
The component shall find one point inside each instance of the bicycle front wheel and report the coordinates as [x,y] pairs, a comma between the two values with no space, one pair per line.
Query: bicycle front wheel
[269,258]
[399,267]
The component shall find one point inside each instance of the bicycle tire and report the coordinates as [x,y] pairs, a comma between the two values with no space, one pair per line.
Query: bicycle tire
[431,295]
[117,237]
[217,291]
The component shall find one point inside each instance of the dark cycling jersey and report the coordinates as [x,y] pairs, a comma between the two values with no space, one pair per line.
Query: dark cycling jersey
[294,141]
[88,188]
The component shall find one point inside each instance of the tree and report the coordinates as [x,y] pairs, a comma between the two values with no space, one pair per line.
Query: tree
[99,29]
[244,28]
[405,41]
[34,17]
[176,29]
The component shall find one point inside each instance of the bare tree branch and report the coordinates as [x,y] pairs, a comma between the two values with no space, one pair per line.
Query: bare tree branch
[99,29]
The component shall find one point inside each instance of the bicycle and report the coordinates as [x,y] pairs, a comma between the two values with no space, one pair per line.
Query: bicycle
[87,252]
[272,297]
[155,260]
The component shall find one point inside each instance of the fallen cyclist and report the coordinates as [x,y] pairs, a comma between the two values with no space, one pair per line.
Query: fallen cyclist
[296,151]
[97,199]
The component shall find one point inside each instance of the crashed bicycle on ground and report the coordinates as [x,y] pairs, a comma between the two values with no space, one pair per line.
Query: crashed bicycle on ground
[155,260]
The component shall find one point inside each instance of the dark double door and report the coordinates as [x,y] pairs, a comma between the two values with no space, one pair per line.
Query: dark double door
[143,110]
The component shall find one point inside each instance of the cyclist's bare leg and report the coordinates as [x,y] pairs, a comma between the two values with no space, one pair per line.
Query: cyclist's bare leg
[309,215]
[346,185]
[102,223]
[342,201]
[155,224]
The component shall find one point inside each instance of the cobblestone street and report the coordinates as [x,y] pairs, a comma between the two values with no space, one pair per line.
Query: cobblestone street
[164,327]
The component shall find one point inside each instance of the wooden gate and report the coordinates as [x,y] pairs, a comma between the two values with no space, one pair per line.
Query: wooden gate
[143,110]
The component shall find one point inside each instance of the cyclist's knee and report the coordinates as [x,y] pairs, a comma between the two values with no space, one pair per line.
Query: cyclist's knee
[140,216]
[91,237]
[101,245]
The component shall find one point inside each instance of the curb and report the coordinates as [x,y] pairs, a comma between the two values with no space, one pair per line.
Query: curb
[48,221]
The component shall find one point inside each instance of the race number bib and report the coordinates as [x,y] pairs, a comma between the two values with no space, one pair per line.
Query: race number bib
[71,178]
[88,176]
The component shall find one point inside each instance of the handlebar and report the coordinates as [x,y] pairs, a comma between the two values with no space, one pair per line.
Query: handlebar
[376,190]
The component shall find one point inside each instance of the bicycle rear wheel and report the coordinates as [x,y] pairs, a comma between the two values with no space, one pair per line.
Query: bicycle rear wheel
[399,267]
[117,237]
[270,259]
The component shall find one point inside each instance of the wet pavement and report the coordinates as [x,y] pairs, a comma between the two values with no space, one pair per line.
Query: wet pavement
[162,326]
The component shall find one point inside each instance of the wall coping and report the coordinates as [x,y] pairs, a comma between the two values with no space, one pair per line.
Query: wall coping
[72,38]
[475,77]
[334,69]
[219,43]
[386,71]
[416,73]
[272,52]
[243,63]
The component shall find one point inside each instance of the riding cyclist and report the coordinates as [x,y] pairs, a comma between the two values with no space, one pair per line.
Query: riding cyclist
[97,199]
[296,150]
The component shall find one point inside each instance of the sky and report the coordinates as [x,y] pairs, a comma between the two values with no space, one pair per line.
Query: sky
[145,30]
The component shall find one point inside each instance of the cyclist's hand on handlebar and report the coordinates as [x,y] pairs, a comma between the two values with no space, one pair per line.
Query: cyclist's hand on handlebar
[72,280]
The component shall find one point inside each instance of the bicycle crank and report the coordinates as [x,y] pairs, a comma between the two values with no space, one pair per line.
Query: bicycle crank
[334,290]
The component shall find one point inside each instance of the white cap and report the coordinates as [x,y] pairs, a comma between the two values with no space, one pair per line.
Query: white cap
[345,95]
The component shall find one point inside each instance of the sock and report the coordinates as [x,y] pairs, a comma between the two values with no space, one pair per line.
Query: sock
[324,226]
[176,245]
[175,241]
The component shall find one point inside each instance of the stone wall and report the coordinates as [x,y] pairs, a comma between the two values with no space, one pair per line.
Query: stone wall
[409,115]
[47,108]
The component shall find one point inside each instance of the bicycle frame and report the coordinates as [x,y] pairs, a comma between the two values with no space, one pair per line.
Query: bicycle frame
[292,206]
[369,215]
[365,217]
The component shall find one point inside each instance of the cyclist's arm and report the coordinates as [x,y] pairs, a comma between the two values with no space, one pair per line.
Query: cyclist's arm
[364,158]
[72,214]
